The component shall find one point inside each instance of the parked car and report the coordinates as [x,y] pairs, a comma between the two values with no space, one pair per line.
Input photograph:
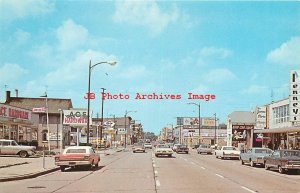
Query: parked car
[138,147]
[11,147]
[182,148]
[147,145]
[77,156]
[203,148]
[175,146]
[227,152]
[255,156]
[283,160]
[163,149]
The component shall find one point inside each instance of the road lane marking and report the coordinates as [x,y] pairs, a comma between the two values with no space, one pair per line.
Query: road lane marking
[219,175]
[203,168]
[157,183]
[249,190]
[154,165]
[193,163]
[155,172]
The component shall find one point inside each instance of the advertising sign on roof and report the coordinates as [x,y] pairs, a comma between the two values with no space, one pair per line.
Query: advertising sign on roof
[76,117]
[14,112]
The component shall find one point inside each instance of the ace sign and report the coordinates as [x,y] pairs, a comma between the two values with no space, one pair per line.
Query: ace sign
[76,117]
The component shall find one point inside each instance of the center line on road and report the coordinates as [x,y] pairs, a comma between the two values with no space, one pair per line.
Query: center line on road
[157,183]
[154,165]
[249,190]
[155,172]
[219,175]
[203,168]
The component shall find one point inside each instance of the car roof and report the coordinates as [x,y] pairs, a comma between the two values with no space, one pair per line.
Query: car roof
[79,147]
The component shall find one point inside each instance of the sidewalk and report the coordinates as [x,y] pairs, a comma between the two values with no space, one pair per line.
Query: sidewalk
[16,168]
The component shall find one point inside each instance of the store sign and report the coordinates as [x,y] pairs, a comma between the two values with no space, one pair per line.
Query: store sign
[14,112]
[261,118]
[295,97]
[54,137]
[76,117]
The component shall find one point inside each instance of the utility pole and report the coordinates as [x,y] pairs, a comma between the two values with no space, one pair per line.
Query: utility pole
[101,126]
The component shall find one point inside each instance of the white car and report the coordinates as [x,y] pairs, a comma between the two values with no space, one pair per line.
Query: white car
[163,149]
[227,152]
[175,146]
[147,145]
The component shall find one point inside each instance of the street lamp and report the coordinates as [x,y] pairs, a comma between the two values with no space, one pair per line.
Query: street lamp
[126,112]
[47,117]
[112,63]
[199,126]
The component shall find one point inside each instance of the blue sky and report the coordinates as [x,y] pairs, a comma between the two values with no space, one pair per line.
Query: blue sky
[239,51]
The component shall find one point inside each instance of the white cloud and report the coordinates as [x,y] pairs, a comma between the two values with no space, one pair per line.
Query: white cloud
[207,56]
[215,52]
[133,72]
[11,72]
[16,9]
[219,75]
[71,35]
[147,14]
[201,89]
[288,53]
[255,89]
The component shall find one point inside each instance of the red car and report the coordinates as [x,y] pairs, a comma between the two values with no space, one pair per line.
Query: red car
[77,156]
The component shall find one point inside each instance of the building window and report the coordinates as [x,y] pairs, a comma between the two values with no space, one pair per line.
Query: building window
[44,135]
[281,114]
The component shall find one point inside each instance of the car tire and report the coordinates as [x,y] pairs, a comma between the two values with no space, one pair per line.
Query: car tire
[252,164]
[281,170]
[242,162]
[23,154]
[156,155]
[133,151]
[62,168]
[97,165]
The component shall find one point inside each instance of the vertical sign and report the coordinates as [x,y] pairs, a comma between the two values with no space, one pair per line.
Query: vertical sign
[295,97]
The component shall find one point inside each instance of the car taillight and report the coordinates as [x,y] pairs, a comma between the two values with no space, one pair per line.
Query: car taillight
[56,158]
[86,157]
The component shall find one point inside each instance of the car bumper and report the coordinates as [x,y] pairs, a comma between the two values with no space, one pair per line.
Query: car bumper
[231,155]
[72,163]
[294,167]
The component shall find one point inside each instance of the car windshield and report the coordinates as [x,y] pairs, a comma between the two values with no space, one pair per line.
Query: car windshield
[263,151]
[163,146]
[229,148]
[182,146]
[76,151]
[291,154]
[204,146]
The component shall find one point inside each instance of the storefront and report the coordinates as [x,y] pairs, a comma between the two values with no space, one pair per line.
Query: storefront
[16,124]
[281,138]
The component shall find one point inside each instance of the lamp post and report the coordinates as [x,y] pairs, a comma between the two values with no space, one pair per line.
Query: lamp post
[126,113]
[112,63]
[199,126]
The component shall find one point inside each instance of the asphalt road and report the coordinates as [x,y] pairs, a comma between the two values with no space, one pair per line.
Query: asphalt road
[144,173]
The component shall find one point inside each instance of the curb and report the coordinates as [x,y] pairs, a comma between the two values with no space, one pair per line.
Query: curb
[9,165]
[28,176]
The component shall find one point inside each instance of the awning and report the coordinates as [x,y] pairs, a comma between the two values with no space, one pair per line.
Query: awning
[279,130]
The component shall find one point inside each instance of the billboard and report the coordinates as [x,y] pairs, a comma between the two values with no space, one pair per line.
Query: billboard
[190,121]
[76,117]
[239,132]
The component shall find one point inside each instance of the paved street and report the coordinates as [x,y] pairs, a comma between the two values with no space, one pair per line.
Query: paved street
[143,172]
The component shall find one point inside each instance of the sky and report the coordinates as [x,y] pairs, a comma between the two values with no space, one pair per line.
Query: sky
[241,52]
